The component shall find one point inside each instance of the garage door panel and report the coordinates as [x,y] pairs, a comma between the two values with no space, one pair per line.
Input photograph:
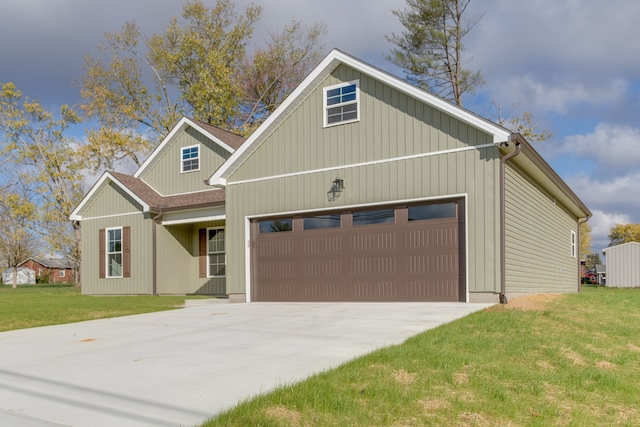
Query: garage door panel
[399,261]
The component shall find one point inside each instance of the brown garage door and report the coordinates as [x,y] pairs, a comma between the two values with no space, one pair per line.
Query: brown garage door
[398,253]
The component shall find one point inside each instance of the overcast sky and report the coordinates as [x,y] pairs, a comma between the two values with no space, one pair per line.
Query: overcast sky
[575,64]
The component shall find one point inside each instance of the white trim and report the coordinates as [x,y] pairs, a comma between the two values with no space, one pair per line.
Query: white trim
[74,215]
[182,160]
[194,220]
[574,244]
[326,107]
[106,252]
[181,126]
[247,258]
[327,65]
[247,229]
[466,245]
[355,165]
[112,216]
[209,275]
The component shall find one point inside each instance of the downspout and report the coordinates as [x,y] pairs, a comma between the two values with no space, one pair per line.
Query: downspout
[156,220]
[503,256]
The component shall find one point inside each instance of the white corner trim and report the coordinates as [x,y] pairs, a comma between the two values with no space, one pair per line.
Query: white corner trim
[247,258]
[355,165]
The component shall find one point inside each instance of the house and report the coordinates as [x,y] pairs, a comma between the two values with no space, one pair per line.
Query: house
[623,265]
[56,270]
[359,187]
[161,230]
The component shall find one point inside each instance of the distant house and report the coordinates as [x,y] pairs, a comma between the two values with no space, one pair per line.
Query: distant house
[623,265]
[359,187]
[25,276]
[58,270]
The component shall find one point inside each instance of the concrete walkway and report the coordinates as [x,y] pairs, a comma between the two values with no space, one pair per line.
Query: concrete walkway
[181,367]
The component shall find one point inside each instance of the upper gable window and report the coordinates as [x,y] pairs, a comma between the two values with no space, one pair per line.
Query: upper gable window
[341,103]
[190,158]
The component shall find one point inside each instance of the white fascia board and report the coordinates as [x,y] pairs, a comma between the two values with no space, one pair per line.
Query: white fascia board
[210,136]
[74,216]
[328,64]
[181,126]
[499,134]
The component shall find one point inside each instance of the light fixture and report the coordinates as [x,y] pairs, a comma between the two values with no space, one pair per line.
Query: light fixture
[336,188]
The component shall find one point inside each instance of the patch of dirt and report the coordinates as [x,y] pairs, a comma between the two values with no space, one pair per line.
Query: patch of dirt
[88,340]
[461,377]
[284,415]
[536,302]
[545,365]
[603,364]
[574,357]
[474,419]
[403,377]
[433,405]
[633,347]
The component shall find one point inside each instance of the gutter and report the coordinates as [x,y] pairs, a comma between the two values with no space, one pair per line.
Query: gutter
[154,281]
[503,271]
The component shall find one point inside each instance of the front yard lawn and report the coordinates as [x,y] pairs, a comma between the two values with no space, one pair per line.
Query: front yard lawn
[29,306]
[561,360]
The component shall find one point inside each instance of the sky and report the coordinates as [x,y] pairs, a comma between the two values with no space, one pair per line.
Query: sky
[573,64]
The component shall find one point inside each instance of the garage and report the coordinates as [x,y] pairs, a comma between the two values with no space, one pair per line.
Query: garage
[381,253]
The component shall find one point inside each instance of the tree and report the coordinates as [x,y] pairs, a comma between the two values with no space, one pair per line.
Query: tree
[591,261]
[275,71]
[624,233]
[525,124]
[198,67]
[430,49]
[17,240]
[46,164]
[585,239]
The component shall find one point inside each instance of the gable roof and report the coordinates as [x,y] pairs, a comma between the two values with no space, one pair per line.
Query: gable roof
[621,245]
[148,198]
[334,59]
[51,262]
[227,140]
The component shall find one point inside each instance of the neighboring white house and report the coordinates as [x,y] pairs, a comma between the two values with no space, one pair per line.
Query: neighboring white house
[26,276]
[623,265]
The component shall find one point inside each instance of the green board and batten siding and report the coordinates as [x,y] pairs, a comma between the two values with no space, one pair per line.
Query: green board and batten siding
[538,238]
[164,173]
[178,261]
[112,207]
[391,125]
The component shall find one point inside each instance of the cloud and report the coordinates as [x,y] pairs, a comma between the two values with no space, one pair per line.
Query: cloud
[614,148]
[601,223]
[614,195]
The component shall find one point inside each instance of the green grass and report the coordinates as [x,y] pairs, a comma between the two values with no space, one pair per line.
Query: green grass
[574,361]
[29,306]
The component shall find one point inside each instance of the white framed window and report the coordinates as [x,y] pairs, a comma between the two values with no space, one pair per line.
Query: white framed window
[341,103]
[190,158]
[216,252]
[574,252]
[114,252]
[62,273]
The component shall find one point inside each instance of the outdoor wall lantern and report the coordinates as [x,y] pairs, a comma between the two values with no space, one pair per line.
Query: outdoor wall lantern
[336,188]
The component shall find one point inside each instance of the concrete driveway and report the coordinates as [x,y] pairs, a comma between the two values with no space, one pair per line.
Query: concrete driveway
[181,367]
